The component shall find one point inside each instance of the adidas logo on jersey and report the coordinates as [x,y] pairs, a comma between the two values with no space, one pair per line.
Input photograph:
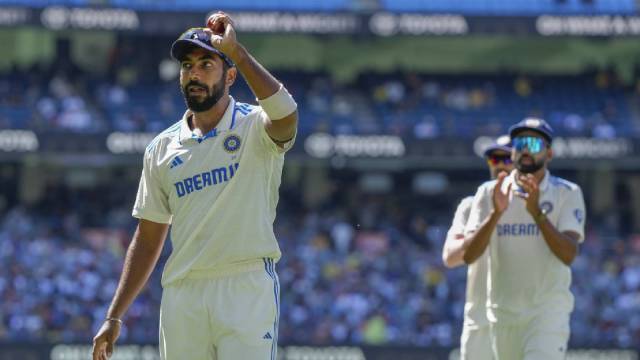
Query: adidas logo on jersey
[267,336]
[175,162]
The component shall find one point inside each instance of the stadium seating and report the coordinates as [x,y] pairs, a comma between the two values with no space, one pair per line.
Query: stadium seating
[467,105]
[61,267]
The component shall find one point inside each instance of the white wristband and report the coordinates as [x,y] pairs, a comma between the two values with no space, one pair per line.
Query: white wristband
[279,105]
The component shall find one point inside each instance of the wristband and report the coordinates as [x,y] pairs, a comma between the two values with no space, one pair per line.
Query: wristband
[279,105]
[114,319]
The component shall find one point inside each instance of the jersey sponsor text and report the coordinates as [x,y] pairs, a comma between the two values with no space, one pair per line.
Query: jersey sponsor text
[200,181]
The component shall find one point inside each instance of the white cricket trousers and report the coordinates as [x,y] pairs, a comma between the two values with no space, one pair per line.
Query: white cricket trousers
[475,343]
[222,317]
[543,337]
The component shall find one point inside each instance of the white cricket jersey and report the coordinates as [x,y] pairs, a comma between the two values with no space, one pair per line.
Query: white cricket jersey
[219,191]
[525,277]
[475,310]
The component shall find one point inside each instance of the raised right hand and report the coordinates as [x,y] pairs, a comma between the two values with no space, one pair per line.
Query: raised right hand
[500,198]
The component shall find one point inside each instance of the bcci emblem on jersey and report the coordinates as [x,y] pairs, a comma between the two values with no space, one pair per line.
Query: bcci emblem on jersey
[546,207]
[232,143]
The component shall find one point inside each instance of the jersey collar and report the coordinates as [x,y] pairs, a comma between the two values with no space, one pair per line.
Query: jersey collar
[544,184]
[187,135]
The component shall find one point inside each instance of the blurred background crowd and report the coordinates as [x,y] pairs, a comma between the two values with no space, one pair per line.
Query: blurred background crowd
[357,268]
[136,98]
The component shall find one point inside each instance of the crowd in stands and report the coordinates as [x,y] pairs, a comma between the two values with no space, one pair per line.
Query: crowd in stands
[594,104]
[357,268]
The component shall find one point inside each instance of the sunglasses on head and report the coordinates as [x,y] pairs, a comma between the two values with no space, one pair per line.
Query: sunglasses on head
[497,159]
[531,143]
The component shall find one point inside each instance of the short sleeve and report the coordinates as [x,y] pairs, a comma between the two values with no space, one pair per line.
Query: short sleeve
[152,202]
[259,125]
[479,210]
[460,218]
[572,214]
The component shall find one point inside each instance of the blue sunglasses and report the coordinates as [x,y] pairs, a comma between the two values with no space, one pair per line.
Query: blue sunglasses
[497,159]
[532,143]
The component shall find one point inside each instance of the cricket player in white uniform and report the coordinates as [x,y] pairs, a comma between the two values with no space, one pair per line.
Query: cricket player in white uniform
[214,177]
[475,342]
[530,223]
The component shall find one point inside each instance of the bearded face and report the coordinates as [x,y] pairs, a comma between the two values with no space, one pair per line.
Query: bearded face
[530,153]
[200,97]
[203,79]
[529,164]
